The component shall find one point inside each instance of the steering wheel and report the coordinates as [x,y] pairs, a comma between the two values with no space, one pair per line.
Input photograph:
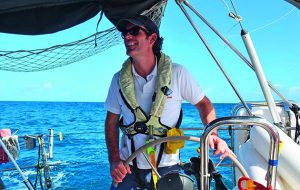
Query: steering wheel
[143,148]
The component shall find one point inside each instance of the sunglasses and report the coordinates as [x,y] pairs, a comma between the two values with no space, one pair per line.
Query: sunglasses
[134,31]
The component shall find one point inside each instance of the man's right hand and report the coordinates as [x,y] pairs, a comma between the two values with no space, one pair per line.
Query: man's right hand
[219,145]
[118,171]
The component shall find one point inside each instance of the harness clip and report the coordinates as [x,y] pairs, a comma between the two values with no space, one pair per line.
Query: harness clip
[140,127]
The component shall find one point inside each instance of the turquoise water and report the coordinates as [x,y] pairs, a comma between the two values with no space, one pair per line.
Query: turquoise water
[80,160]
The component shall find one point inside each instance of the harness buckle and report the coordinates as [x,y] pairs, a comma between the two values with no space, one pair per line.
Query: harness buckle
[140,127]
[162,131]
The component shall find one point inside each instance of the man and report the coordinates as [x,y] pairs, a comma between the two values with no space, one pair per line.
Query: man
[148,92]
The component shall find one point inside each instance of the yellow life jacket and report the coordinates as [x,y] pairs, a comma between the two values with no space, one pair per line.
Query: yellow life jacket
[142,123]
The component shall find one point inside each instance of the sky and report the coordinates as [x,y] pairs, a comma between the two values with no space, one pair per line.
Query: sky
[273,25]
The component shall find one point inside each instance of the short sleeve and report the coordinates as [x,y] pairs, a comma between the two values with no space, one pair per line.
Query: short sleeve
[189,88]
[111,104]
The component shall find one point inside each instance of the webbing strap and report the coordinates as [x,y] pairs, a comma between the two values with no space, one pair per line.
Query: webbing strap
[133,150]
[160,153]
[135,167]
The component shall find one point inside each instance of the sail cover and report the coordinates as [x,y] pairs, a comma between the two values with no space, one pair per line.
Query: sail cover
[48,16]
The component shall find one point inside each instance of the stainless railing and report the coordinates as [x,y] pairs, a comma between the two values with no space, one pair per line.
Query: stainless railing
[240,121]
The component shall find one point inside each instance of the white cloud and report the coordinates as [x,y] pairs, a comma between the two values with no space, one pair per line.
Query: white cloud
[277,86]
[46,85]
[294,90]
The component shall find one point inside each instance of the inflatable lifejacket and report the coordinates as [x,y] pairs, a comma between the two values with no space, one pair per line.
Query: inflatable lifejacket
[143,124]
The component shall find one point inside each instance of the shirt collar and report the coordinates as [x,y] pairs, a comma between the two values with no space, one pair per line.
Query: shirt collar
[151,75]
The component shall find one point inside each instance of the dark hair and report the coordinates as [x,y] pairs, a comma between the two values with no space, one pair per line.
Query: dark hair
[142,20]
[157,46]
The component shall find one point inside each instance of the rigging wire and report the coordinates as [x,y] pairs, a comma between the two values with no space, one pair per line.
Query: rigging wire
[236,16]
[274,21]
[228,9]
[265,25]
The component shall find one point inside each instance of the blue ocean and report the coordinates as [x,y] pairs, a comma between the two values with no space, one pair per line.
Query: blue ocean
[80,159]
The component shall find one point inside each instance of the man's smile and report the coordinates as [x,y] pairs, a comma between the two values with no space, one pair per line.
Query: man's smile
[129,44]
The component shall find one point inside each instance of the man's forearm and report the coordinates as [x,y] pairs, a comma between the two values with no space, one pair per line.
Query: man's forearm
[112,137]
[112,143]
[207,112]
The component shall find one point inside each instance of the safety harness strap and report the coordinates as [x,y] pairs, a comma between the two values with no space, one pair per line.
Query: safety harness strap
[141,127]
[134,162]
[142,122]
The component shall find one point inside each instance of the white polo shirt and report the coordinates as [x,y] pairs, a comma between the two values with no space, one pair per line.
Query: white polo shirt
[183,87]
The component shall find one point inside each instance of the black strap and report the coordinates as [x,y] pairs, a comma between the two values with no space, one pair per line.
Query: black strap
[179,120]
[161,150]
[126,103]
[153,97]
[132,110]
[216,176]
[160,153]
[135,167]
[133,150]
[296,111]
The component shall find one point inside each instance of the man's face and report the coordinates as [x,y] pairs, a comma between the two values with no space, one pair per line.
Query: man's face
[137,40]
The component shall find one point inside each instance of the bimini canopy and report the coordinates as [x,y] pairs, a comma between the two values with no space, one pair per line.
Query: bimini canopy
[295,2]
[48,16]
